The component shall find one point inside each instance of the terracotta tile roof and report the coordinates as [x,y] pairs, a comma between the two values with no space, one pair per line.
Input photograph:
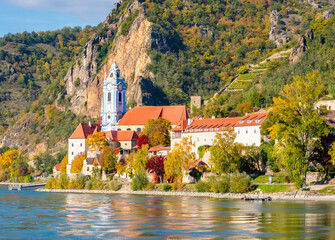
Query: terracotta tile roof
[220,124]
[160,148]
[253,119]
[84,129]
[140,115]
[57,166]
[181,126]
[122,135]
[211,124]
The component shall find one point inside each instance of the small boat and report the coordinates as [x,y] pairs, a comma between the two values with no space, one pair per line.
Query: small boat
[247,198]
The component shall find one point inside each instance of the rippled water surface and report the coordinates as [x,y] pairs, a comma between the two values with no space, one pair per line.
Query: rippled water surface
[32,215]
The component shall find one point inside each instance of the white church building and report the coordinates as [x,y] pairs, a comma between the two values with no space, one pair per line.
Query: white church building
[113,107]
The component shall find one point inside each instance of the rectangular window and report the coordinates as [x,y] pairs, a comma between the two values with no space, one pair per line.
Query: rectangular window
[246,131]
[197,139]
[120,97]
[72,153]
[81,144]
[255,131]
[72,145]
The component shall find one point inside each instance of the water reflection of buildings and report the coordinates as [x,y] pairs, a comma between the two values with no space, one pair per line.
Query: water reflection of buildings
[128,216]
[87,215]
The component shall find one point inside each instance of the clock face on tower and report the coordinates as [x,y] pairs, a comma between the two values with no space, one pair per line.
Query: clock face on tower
[119,87]
[109,86]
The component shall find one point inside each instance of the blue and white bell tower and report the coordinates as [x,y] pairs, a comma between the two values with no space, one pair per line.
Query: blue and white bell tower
[114,103]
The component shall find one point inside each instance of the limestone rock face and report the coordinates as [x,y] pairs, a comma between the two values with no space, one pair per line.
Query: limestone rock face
[131,54]
[312,3]
[328,14]
[277,33]
[301,47]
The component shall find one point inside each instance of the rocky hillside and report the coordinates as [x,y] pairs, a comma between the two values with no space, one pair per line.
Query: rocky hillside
[167,51]
[130,50]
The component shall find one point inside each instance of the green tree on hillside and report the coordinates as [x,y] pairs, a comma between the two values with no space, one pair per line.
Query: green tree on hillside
[226,155]
[297,124]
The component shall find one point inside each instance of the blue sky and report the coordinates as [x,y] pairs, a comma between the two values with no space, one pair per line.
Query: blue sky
[17,16]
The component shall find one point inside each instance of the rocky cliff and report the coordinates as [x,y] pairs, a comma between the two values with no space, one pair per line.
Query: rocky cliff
[131,54]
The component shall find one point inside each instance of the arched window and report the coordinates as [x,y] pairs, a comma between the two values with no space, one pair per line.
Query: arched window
[109,97]
[120,97]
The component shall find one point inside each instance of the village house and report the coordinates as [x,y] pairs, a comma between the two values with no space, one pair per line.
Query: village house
[202,131]
[159,150]
[126,140]
[56,170]
[77,141]
[89,164]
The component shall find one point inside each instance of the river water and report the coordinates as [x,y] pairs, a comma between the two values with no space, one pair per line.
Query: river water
[34,215]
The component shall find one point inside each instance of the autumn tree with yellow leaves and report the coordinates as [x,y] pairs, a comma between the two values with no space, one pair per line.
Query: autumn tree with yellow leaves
[78,163]
[97,141]
[141,158]
[179,159]
[63,164]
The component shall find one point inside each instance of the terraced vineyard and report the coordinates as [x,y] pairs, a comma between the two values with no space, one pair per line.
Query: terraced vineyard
[254,73]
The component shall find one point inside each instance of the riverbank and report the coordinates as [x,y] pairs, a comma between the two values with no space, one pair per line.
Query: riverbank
[294,196]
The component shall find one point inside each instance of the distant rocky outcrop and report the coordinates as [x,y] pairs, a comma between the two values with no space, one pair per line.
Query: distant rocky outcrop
[301,47]
[312,3]
[328,14]
[277,32]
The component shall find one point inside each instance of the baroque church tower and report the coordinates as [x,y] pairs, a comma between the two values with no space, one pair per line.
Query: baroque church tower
[114,103]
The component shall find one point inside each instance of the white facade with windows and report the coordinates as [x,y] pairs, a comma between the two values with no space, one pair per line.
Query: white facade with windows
[202,131]
[76,146]
[249,135]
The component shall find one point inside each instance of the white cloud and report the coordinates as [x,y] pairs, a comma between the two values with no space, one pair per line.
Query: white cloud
[82,9]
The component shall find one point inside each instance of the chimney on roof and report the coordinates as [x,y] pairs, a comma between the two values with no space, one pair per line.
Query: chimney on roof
[213,117]
[90,124]
[189,121]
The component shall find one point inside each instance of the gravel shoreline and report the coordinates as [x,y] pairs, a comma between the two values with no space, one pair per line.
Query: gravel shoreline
[292,196]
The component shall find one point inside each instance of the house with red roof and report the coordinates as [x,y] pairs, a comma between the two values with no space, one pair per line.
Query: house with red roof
[136,118]
[90,164]
[77,142]
[122,139]
[162,150]
[202,131]
[56,170]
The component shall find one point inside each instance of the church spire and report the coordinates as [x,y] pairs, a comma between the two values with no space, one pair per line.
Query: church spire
[114,103]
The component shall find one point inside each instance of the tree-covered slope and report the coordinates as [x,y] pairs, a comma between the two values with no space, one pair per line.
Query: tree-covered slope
[31,63]
[319,56]
[211,39]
